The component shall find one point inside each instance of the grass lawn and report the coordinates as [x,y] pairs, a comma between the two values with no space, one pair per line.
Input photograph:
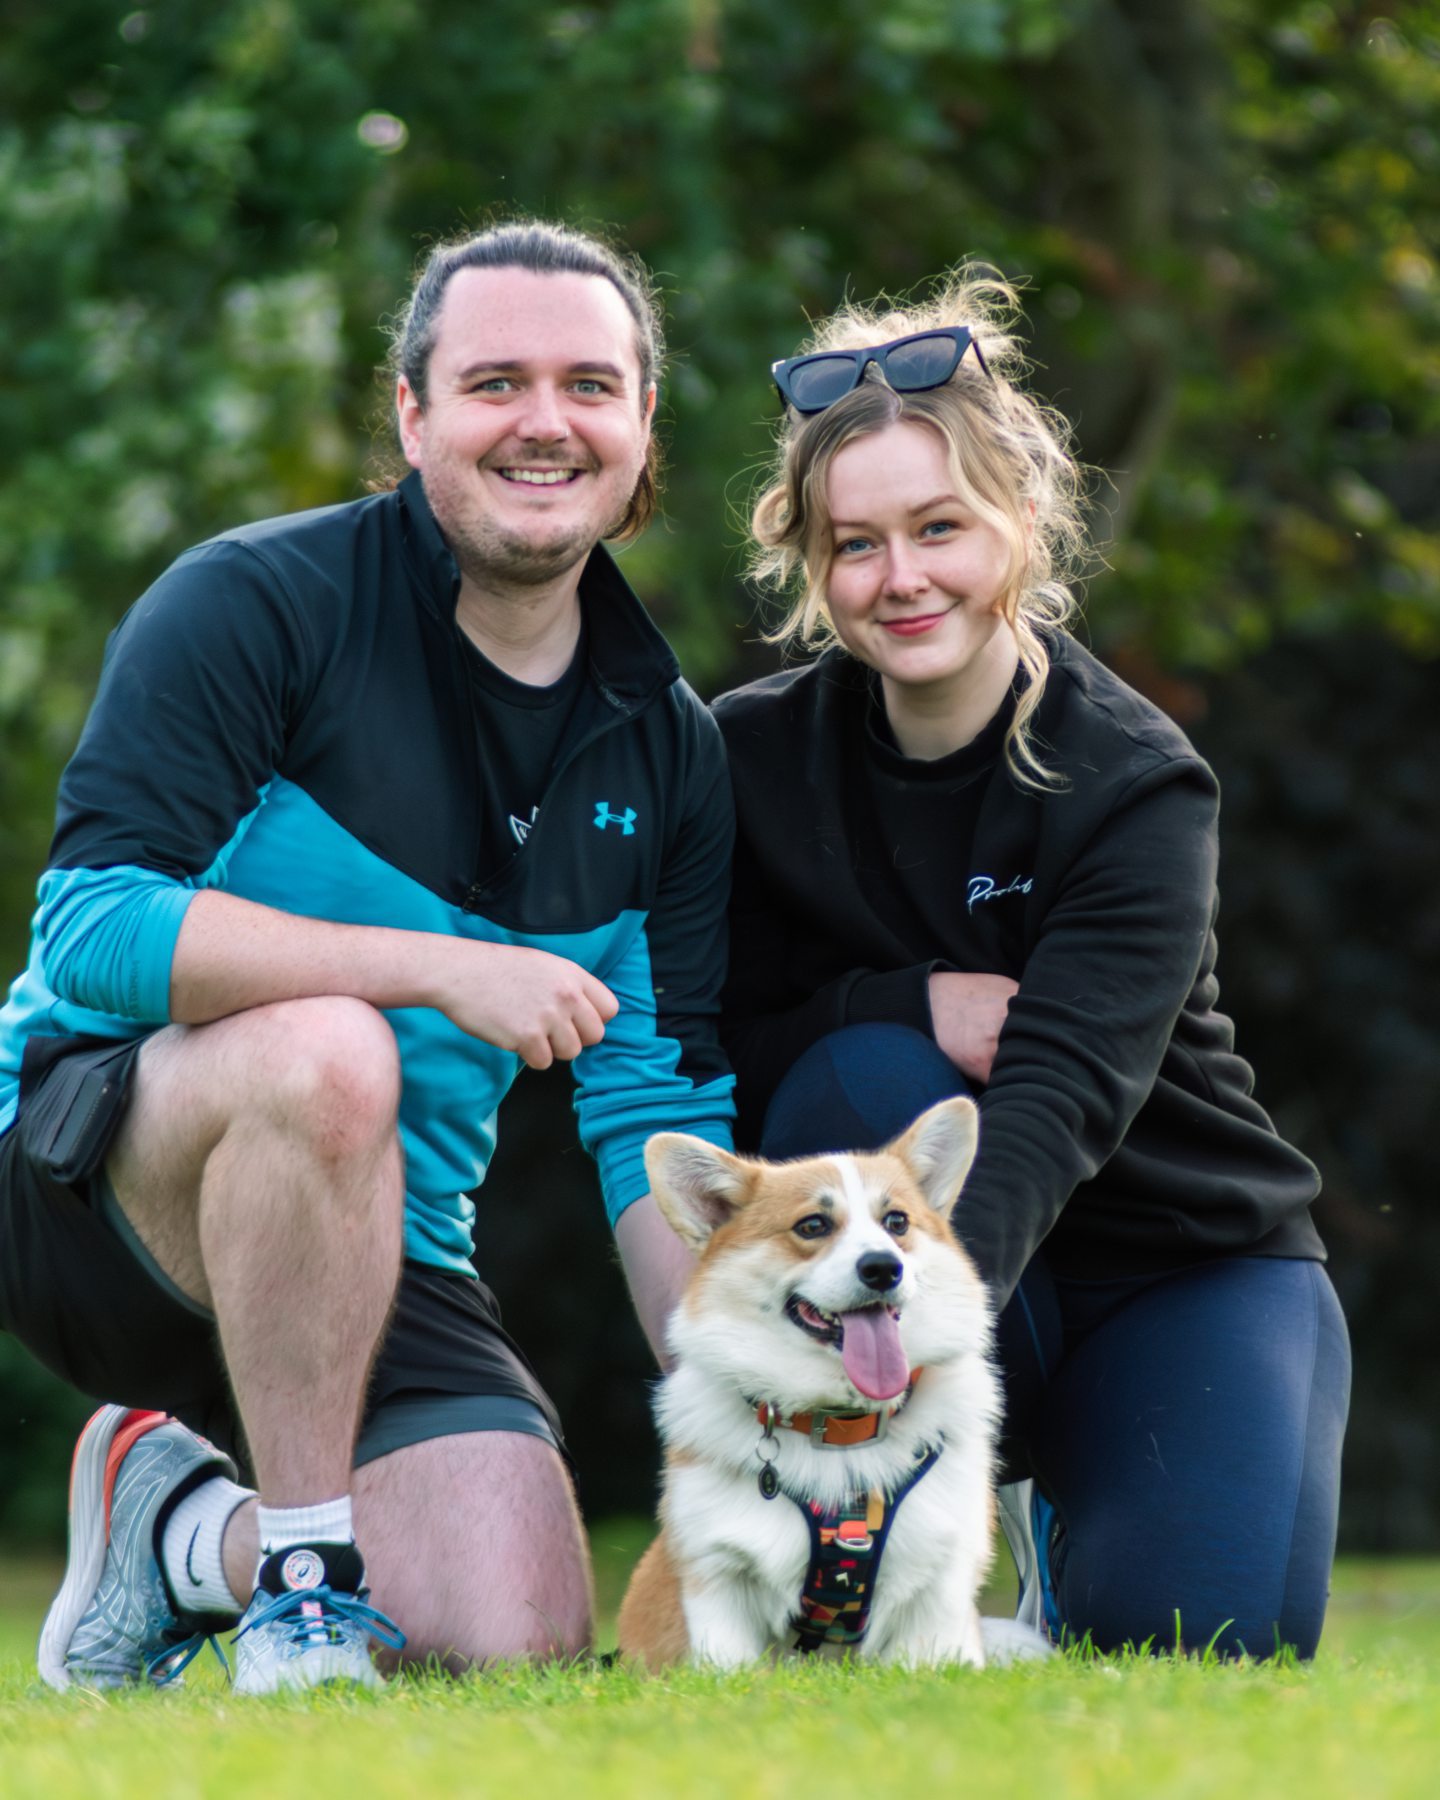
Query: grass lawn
[1364,1720]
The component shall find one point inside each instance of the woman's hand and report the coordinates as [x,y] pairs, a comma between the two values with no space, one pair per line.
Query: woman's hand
[967,1012]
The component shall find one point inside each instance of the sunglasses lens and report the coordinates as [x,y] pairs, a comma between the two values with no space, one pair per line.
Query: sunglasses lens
[922,362]
[820,381]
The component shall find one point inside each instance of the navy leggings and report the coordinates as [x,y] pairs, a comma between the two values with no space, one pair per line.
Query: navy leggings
[1186,1426]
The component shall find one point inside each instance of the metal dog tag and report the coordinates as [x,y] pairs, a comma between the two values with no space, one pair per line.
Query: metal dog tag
[767,1450]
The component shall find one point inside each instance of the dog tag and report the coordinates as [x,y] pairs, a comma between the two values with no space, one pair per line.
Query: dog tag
[767,1450]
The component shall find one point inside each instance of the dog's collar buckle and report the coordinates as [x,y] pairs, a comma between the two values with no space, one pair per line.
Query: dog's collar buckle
[876,1425]
[836,1430]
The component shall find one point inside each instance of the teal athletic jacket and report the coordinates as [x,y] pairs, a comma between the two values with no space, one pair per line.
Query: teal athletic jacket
[286,714]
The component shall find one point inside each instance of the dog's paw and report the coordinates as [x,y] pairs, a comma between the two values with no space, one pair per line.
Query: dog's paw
[1008,1641]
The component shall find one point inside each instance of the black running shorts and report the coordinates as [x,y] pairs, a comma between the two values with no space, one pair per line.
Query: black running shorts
[85,1297]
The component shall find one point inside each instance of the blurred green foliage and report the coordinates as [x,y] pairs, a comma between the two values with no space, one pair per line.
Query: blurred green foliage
[1227,213]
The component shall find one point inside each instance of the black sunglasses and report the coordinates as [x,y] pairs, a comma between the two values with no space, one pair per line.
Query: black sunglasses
[909,364]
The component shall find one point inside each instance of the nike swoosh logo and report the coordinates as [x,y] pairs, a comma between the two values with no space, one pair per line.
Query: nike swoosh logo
[190,1551]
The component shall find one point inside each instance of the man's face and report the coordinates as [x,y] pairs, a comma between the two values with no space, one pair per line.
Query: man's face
[534,431]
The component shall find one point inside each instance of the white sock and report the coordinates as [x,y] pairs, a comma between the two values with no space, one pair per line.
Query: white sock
[190,1548]
[282,1526]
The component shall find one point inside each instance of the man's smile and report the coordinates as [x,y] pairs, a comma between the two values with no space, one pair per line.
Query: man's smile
[541,477]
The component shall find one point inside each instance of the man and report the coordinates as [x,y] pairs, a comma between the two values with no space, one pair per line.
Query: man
[374,804]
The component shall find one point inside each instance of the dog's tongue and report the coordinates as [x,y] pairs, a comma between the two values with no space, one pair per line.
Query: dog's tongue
[873,1357]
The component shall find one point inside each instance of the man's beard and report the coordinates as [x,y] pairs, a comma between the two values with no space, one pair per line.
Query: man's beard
[492,556]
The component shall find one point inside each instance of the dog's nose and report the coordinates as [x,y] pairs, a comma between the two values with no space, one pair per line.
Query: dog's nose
[879,1270]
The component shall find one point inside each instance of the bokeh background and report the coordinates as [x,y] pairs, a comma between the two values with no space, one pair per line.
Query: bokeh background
[1226,215]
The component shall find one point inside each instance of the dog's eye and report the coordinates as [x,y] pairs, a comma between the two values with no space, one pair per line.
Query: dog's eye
[896,1222]
[813,1225]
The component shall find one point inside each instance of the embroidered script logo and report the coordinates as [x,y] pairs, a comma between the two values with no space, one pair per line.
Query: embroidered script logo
[521,827]
[625,820]
[982,887]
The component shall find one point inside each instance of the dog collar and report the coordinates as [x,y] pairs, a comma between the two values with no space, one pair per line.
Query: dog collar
[836,1430]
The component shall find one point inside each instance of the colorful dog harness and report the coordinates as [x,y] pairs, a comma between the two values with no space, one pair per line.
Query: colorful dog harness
[846,1545]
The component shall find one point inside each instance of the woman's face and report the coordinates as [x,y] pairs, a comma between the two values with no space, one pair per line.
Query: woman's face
[915,577]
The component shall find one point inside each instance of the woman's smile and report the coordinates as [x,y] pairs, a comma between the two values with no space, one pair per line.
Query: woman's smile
[914,625]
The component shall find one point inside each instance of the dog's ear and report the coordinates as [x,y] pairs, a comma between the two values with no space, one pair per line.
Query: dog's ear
[695,1185]
[939,1149]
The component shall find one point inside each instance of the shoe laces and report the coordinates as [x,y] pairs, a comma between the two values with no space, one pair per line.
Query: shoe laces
[171,1663]
[298,1624]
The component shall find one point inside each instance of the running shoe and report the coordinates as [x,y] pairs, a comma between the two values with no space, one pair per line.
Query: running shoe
[1028,1521]
[115,1621]
[308,1623]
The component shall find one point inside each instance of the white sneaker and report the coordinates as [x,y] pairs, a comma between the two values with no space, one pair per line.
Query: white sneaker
[308,1623]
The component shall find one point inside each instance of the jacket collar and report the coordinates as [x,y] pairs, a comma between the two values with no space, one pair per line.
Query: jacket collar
[628,656]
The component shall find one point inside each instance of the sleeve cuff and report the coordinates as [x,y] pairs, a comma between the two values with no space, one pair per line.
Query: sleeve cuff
[623,1179]
[898,997]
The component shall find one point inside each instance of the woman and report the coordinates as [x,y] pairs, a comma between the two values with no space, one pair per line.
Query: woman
[970,857]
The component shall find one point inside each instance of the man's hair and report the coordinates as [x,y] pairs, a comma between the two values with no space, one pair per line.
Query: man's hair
[541,248]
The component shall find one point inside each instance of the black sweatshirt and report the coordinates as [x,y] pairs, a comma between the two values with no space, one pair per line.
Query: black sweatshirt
[1118,1126]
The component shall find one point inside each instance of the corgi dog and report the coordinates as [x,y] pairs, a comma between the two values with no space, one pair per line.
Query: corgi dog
[832,1400]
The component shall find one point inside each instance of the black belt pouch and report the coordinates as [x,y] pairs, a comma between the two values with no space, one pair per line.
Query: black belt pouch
[73,1095]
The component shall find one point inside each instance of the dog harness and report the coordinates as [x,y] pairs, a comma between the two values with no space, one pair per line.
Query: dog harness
[846,1545]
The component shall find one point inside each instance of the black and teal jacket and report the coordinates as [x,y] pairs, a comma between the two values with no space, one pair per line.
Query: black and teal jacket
[286,714]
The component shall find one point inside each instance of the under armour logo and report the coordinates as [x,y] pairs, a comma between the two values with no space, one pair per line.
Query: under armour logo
[604,817]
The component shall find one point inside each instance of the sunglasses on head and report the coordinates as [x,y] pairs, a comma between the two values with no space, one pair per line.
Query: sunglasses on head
[909,364]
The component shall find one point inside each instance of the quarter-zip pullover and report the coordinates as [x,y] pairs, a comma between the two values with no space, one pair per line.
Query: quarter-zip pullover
[288,714]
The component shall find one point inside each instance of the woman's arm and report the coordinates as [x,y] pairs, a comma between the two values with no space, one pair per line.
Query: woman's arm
[1118,954]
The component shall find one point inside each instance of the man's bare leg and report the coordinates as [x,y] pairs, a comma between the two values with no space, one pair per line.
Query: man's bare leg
[473,1542]
[260,1166]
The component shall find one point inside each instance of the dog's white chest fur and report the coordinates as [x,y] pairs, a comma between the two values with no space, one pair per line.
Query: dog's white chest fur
[744,1561]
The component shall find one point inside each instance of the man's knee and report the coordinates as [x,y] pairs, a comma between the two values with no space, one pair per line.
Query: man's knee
[328,1070]
[474,1546]
[503,1636]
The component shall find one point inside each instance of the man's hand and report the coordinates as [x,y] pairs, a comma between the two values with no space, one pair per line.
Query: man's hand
[542,1007]
[233,954]
[967,1012]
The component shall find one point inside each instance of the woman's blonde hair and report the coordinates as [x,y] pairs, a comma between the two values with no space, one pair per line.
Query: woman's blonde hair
[1010,458]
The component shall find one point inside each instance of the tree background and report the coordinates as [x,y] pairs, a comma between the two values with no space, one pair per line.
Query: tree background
[1226,215]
